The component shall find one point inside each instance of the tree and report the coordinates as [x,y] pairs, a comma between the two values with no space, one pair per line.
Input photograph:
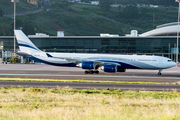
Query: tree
[1,13]
[154,2]
[26,26]
[105,5]
[5,31]
[63,4]
[143,12]
[131,12]
[13,59]
[28,29]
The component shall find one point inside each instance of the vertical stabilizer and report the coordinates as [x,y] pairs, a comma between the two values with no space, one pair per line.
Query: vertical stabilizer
[25,44]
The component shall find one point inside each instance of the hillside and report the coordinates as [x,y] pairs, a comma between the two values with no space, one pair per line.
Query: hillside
[84,20]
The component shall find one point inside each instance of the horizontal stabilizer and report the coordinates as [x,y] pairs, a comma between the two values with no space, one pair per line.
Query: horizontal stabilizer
[23,54]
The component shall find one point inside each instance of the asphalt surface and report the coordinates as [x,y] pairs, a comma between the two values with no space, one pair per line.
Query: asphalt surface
[65,73]
[54,72]
[111,86]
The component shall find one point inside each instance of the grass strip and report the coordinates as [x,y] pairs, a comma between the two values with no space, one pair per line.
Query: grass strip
[83,81]
[73,104]
[115,93]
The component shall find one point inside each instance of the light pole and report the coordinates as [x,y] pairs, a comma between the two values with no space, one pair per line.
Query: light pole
[42,25]
[2,50]
[14,22]
[169,49]
[177,48]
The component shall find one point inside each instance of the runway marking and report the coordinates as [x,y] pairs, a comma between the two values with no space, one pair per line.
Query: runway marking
[94,76]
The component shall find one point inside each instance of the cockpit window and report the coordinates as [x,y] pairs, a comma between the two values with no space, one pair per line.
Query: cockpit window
[169,60]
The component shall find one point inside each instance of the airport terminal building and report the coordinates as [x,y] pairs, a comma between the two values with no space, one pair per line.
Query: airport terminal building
[160,41]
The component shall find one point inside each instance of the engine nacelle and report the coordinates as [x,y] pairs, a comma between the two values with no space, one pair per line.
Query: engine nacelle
[86,65]
[108,68]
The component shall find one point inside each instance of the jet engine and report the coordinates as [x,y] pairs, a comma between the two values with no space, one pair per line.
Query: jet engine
[86,65]
[108,68]
[111,68]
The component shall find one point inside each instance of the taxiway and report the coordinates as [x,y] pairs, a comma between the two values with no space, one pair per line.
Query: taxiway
[54,72]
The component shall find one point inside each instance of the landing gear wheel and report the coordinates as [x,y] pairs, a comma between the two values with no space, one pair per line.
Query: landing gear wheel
[159,74]
[91,72]
[86,72]
[96,72]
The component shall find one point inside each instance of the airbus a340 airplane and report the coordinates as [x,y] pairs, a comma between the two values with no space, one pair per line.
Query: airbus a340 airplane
[91,62]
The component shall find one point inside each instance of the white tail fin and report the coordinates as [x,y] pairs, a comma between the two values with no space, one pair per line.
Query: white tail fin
[25,44]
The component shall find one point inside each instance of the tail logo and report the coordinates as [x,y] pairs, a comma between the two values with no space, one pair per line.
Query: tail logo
[28,46]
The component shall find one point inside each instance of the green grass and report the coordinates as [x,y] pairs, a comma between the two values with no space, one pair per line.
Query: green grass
[83,81]
[72,104]
[21,6]
[85,20]
[118,93]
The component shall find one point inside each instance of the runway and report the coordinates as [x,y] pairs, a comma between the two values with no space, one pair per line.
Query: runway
[53,72]
[111,86]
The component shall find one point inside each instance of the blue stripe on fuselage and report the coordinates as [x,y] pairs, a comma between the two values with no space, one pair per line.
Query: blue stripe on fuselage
[50,63]
[123,65]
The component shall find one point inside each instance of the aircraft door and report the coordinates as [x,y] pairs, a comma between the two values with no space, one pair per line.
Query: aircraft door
[160,61]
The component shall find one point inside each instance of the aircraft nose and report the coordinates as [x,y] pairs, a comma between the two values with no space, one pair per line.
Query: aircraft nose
[173,64]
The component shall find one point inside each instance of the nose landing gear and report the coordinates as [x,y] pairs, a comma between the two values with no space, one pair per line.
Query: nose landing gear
[159,73]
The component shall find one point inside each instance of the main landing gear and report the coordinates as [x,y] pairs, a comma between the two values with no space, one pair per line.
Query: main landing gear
[91,72]
[159,73]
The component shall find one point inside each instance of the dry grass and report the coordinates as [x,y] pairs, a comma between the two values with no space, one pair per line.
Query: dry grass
[29,103]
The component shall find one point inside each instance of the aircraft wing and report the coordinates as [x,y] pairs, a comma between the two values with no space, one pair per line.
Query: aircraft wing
[100,63]
[106,63]
[73,60]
